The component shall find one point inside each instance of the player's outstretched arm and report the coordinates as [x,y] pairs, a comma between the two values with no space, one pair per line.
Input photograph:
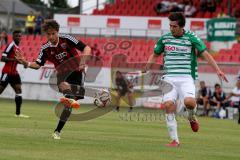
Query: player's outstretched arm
[21,59]
[86,55]
[87,50]
[152,59]
[33,65]
[213,63]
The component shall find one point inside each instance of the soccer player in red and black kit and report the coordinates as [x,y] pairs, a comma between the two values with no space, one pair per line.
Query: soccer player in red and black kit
[60,49]
[10,74]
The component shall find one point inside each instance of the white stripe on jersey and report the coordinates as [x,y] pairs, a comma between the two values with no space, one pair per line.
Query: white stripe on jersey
[9,47]
[71,38]
[179,70]
[177,62]
[186,42]
[41,51]
[39,60]
[4,77]
[4,55]
[177,66]
[45,46]
[177,57]
[42,48]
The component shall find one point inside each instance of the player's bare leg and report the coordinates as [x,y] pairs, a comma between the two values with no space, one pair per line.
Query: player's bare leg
[18,100]
[69,103]
[191,107]
[68,99]
[171,123]
[208,107]
[131,101]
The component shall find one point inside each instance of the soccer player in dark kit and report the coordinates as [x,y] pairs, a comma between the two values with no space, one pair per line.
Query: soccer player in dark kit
[59,50]
[10,74]
[124,87]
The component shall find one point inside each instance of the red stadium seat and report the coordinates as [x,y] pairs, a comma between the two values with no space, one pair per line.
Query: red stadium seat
[236,46]
[139,50]
[146,8]
[225,58]
[235,58]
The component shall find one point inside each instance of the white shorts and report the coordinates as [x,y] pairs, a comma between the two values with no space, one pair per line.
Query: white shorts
[183,86]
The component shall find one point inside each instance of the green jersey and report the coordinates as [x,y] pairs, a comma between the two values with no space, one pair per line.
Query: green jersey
[179,53]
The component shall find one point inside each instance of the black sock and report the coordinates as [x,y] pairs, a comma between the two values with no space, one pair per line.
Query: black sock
[63,118]
[18,101]
[60,126]
[68,94]
[207,112]
[239,116]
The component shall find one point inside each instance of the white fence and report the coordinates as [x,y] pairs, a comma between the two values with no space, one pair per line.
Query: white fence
[36,84]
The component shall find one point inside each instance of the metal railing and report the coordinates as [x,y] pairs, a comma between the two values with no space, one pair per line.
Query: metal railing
[112,32]
[115,32]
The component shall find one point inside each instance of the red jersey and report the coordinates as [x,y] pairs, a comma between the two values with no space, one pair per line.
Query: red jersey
[61,52]
[10,67]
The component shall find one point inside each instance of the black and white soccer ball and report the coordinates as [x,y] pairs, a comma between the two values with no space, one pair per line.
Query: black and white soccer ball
[102,98]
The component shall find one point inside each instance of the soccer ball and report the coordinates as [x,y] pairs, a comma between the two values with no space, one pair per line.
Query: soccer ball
[102,98]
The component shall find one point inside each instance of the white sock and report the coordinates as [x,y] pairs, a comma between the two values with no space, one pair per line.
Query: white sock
[172,126]
[191,113]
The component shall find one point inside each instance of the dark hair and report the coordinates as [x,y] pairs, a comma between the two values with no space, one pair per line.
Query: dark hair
[202,82]
[16,31]
[118,72]
[217,85]
[177,16]
[50,24]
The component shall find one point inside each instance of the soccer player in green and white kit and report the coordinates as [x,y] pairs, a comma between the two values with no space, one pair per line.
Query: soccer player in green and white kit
[180,70]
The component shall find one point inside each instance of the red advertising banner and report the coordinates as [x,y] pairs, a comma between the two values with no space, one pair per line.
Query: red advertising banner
[154,24]
[197,25]
[113,22]
[73,21]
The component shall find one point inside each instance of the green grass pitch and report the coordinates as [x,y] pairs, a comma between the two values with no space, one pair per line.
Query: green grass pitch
[109,137]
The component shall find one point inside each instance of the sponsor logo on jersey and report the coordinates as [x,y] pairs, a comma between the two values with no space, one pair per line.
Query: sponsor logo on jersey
[173,48]
[61,55]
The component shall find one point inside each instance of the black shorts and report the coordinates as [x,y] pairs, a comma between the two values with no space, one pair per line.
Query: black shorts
[12,79]
[224,105]
[124,92]
[76,80]
[200,101]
